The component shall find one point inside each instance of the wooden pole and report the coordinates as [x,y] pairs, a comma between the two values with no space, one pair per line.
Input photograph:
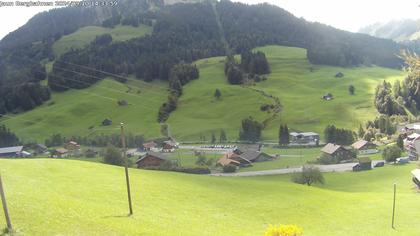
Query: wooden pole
[127,178]
[393,206]
[5,209]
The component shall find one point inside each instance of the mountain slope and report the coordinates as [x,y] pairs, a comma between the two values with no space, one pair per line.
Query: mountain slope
[66,197]
[401,30]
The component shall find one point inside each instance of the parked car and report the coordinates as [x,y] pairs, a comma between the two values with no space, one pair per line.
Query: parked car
[380,164]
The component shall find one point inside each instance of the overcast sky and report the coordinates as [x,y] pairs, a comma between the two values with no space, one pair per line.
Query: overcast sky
[344,14]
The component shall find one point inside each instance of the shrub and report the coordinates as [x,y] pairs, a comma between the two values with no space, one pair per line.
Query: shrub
[284,230]
[391,153]
[308,176]
[113,156]
[229,168]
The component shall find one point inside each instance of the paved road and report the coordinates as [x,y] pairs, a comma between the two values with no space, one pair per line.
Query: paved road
[323,168]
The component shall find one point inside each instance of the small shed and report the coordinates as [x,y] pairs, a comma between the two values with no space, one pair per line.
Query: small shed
[339,75]
[365,163]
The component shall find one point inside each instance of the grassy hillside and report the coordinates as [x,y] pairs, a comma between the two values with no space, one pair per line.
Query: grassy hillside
[74,112]
[299,90]
[64,197]
[87,34]
[200,113]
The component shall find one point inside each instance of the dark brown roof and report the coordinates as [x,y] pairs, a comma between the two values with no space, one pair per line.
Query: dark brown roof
[250,155]
[330,148]
[153,154]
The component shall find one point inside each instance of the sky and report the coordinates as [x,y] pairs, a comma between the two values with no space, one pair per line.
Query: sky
[348,15]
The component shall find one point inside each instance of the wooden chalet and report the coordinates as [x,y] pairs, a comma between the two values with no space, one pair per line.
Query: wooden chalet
[11,151]
[151,159]
[234,159]
[149,146]
[169,146]
[364,147]
[336,151]
[72,146]
[60,153]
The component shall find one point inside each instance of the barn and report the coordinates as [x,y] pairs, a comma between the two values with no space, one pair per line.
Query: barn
[11,151]
[151,159]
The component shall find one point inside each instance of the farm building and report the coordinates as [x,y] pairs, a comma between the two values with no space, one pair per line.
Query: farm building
[169,146]
[337,151]
[365,163]
[413,150]
[149,146]
[304,138]
[60,153]
[11,151]
[244,159]
[364,147]
[72,146]
[151,159]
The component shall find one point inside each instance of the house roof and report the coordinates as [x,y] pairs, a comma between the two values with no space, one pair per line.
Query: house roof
[170,142]
[330,148]
[11,149]
[160,156]
[413,136]
[359,144]
[250,155]
[149,144]
[61,150]
[72,143]
[224,161]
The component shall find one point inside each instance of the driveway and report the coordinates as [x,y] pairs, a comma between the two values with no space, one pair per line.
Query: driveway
[322,168]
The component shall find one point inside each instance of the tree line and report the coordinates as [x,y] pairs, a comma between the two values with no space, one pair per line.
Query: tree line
[179,75]
[7,137]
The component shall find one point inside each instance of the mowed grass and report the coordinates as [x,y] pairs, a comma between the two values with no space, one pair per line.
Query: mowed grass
[199,113]
[66,197]
[81,112]
[301,90]
[85,35]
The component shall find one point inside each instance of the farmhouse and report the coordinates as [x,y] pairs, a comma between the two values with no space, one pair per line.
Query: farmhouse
[72,146]
[60,153]
[169,146]
[364,147]
[336,151]
[11,151]
[40,148]
[151,159]
[244,159]
[149,146]
[234,159]
[304,138]
[248,147]
[365,163]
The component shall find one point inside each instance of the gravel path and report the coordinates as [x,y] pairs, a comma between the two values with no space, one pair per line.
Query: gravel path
[323,168]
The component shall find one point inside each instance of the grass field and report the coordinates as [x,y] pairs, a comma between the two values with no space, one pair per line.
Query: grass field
[66,197]
[299,90]
[74,112]
[200,114]
[85,35]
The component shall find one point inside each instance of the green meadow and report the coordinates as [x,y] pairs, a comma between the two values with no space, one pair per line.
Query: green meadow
[81,112]
[299,85]
[85,35]
[300,92]
[67,197]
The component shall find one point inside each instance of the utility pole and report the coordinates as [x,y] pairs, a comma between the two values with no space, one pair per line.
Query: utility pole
[127,178]
[393,206]
[5,209]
